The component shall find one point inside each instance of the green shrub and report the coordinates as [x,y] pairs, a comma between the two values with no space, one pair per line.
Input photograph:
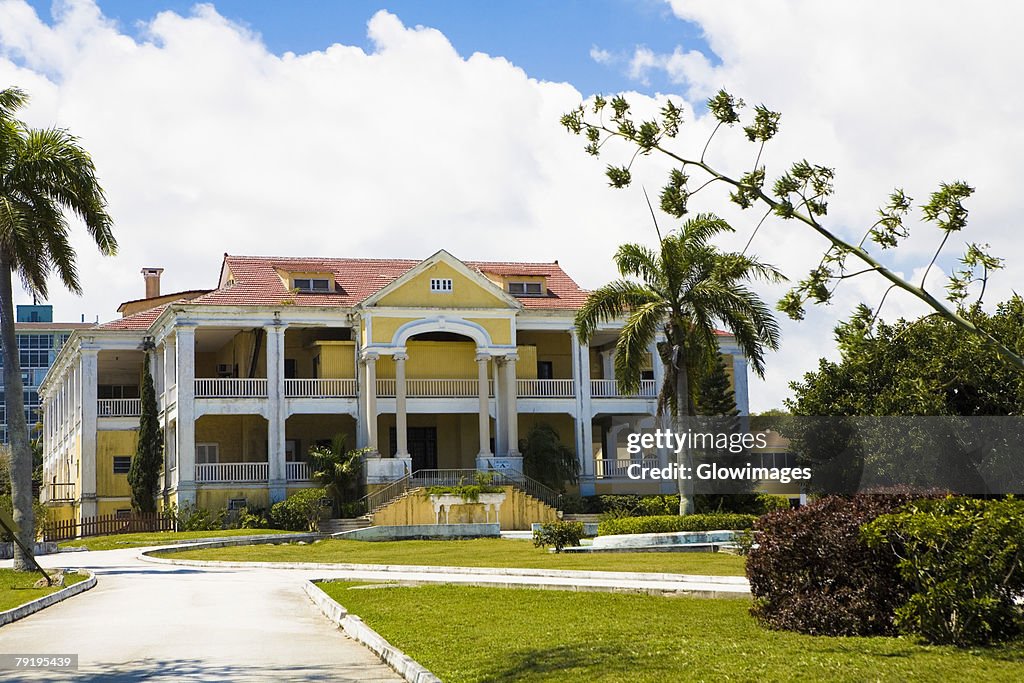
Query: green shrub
[301,511]
[963,560]
[193,518]
[558,535]
[253,518]
[39,517]
[742,503]
[811,572]
[667,524]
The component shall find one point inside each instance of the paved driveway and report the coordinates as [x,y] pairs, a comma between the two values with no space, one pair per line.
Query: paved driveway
[145,621]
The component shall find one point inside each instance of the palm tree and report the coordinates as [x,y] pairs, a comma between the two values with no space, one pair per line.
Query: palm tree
[336,469]
[44,175]
[685,291]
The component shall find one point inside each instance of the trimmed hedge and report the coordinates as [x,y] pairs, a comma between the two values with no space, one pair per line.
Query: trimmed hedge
[558,535]
[664,524]
[301,511]
[811,572]
[631,505]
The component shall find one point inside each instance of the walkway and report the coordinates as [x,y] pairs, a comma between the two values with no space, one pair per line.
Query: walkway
[153,622]
[157,621]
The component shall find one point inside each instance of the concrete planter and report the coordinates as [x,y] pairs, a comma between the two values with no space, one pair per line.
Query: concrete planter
[41,548]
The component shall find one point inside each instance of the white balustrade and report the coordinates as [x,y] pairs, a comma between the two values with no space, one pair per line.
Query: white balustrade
[435,388]
[297,471]
[231,387]
[545,388]
[319,388]
[119,407]
[609,388]
[232,472]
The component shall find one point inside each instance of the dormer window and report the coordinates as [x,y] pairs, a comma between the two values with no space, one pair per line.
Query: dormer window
[525,289]
[311,284]
[443,285]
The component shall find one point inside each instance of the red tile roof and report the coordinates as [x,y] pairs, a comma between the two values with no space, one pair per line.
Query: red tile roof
[137,321]
[256,281]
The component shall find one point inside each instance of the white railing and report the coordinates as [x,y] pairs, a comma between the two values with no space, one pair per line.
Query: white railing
[119,407]
[319,388]
[232,472]
[296,471]
[609,388]
[545,388]
[231,388]
[434,388]
[619,468]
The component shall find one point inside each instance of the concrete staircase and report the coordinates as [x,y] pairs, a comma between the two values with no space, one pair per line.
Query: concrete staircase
[336,526]
[579,517]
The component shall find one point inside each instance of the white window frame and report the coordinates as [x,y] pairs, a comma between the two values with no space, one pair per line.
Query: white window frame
[310,283]
[524,288]
[207,448]
[441,285]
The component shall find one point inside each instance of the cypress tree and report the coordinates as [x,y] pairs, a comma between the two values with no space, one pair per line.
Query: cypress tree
[717,399]
[144,474]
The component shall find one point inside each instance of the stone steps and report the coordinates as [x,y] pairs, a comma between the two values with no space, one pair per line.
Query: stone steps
[335,526]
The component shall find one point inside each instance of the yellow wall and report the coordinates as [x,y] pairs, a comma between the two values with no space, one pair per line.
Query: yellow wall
[217,499]
[555,347]
[109,444]
[337,359]
[384,328]
[465,293]
[458,437]
[237,352]
[560,422]
[241,438]
[518,511]
[110,506]
[61,513]
[499,329]
[308,429]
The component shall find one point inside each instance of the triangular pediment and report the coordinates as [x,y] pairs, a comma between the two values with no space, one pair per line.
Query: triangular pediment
[442,281]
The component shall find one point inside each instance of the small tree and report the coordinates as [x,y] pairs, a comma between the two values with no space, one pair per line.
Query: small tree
[547,459]
[144,474]
[337,470]
[717,400]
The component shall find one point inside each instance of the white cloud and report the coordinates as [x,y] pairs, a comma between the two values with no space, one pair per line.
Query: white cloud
[206,142]
[600,55]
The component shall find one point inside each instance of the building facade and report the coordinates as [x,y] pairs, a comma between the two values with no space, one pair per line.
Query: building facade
[39,340]
[433,364]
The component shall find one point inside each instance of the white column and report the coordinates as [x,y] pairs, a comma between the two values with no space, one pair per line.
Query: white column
[88,365]
[512,405]
[185,441]
[370,365]
[401,423]
[169,366]
[276,412]
[485,405]
[739,370]
[584,424]
[608,363]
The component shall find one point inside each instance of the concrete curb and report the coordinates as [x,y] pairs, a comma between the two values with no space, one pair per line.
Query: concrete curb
[429,569]
[47,600]
[356,628]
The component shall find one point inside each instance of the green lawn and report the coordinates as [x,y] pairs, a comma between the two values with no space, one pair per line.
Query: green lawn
[160,538]
[482,552]
[464,633]
[16,587]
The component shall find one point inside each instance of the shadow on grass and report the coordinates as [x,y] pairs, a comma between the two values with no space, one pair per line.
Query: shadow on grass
[559,660]
[199,670]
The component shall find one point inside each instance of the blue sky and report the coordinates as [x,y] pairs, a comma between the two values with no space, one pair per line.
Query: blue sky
[551,40]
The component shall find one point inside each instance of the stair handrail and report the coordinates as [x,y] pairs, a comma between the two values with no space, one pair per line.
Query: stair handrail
[457,477]
[381,497]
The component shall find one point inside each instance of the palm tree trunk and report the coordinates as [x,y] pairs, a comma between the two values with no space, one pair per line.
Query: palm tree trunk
[683,459]
[17,430]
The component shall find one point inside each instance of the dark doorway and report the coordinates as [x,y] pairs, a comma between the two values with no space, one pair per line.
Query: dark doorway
[422,443]
[289,368]
[545,369]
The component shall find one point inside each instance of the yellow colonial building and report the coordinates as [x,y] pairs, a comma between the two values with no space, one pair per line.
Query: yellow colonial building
[437,364]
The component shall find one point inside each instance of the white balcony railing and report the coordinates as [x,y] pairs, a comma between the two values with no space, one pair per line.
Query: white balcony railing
[607,468]
[319,388]
[297,471]
[231,387]
[435,388]
[119,407]
[545,388]
[608,388]
[232,472]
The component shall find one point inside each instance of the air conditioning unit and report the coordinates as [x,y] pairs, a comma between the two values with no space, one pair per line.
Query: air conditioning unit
[225,370]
